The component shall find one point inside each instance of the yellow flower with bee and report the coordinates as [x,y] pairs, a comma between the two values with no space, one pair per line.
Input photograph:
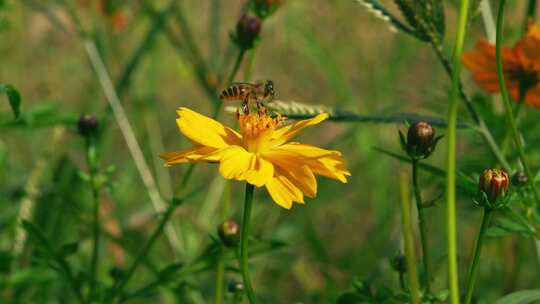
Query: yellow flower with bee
[260,153]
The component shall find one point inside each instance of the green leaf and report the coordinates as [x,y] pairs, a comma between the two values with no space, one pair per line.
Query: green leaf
[520,297]
[463,182]
[14,98]
[497,232]
[68,249]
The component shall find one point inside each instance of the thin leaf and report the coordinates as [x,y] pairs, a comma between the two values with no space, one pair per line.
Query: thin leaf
[463,182]
[521,297]
[14,98]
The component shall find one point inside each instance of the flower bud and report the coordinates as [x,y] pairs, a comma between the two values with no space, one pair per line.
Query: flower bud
[247,31]
[399,264]
[117,273]
[520,179]
[229,233]
[494,183]
[420,139]
[236,287]
[87,125]
[265,8]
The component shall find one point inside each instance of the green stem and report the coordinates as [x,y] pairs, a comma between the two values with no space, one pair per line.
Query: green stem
[508,132]
[422,227]
[144,251]
[486,218]
[220,273]
[91,159]
[531,14]
[402,282]
[508,106]
[453,279]
[408,239]
[248,68]
[481,125]
[236,66]
[244,267]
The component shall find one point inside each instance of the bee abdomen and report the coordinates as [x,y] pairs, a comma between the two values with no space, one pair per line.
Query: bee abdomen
[230,93]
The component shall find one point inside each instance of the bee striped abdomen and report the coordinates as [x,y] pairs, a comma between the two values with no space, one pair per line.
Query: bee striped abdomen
[232,93]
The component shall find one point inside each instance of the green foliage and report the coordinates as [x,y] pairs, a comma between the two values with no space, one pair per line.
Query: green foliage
[323,56]
[520,297]
[14,98]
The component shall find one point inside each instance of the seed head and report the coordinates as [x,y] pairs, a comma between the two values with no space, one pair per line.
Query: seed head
[229,233]
[494,183]
[87,125]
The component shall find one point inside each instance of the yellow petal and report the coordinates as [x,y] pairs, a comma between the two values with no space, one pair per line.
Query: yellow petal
[237,163]
[296,171]
[332,166]
[282,135]
[205,131]
[284,192]
[307,151]
[323,162]
[260,171]
[185,156]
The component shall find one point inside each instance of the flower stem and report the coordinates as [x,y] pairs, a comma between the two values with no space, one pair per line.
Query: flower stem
[508,106]
[244,267]
[422,227]
[486,218]
[236,66]
[507,139]
[220,273]
[91,159]
[453,280]
[408,239]
[531,14]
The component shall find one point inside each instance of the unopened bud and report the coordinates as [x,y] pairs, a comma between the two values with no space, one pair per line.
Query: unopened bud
[235,287]
[399,264]
[116,273]
[247,31]
[420,139]
[520,179]
[87,125]
[229,233]
[265,8]
[494,183]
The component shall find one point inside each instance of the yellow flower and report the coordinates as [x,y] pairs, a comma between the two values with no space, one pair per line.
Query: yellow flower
[260,154]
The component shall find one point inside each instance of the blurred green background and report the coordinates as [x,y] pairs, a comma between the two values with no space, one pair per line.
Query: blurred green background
[332,53]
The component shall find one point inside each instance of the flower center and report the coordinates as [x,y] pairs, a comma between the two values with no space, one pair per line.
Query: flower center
[257,129]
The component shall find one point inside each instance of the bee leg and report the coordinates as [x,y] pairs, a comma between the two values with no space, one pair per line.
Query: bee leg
[245,105]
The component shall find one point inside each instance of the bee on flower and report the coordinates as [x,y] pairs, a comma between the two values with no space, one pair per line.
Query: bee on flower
[260,154]
[521,67]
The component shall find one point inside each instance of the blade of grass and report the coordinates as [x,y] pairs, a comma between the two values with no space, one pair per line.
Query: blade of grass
[129,136]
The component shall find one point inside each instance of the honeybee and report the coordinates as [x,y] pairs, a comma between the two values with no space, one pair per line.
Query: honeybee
[249,92]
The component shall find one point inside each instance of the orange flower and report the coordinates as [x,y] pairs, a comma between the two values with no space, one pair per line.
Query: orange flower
[521,66]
